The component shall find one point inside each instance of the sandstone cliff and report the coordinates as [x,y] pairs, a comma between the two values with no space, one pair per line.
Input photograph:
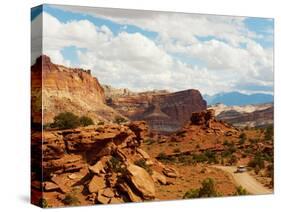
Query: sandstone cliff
[56,88]
[163,111]
[247,115]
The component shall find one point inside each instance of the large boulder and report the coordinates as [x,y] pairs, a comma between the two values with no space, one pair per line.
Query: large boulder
[142,181]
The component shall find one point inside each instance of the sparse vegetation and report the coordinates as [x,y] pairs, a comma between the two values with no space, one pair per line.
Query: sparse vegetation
[115,165]
[119,120]
[257,163]
[165,158]
[149,141]
[66,120]
[269,133]
[43,203]
[241,191]
[232,160]
[85,121]
[70,199]
[243,136]
[142,163]
[181,133]
[207,189]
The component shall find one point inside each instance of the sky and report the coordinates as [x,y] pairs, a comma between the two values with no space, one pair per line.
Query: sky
[148,50]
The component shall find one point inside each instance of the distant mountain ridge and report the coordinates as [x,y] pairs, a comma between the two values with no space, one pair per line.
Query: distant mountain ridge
[237,98]
[248,115]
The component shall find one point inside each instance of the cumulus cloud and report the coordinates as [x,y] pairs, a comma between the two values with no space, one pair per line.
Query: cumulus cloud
[170,25]
[134,61]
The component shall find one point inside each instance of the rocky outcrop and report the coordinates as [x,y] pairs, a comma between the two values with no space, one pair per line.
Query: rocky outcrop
[247,115]
[142,181]
[163,111]
[105,162]
[56,88]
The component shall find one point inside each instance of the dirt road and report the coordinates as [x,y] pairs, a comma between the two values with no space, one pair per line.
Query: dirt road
[246,181]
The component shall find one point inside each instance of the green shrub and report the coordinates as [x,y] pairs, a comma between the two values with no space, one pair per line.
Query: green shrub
[43,203]
[232,159]
[226,143]
[257,162]
[66,120]
[243,136]
[85,121]
[192,193]
[70,199]
[120,120]
[185,159]
[115,165]
[149,141]
[254,141]
[207,189]
[165,158]
[142,163]
[181,133]
[242,141]
[212,157]
[241,191]
[269,133]
[200,158]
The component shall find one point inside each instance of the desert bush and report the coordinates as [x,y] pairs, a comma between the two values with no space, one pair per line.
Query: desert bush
[120,120]
[243,136]
[226,143]
[115,165]
[232,148]
[101,123]
[207,189]
[70,199]
[226,153]
[212,157]
[165,158]
[257,162]
[66,120]
[241,191]
[254,141]
[200,158]
[232,159]
[142,163]
[186,159]
[149,141]
[181,133]
[269,133]
[192,193]
[85,121]
[43,203]
[242,141]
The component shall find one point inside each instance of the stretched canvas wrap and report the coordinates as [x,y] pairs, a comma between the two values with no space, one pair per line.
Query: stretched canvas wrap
[135,105]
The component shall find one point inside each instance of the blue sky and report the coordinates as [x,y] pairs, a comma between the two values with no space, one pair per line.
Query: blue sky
[185,47]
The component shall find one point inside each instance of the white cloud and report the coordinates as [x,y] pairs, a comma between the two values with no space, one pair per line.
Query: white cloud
[184,27]
[139,63]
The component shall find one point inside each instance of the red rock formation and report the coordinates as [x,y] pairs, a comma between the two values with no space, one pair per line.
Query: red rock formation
[257,118]
[99,161]
[56,89]
[164,112]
